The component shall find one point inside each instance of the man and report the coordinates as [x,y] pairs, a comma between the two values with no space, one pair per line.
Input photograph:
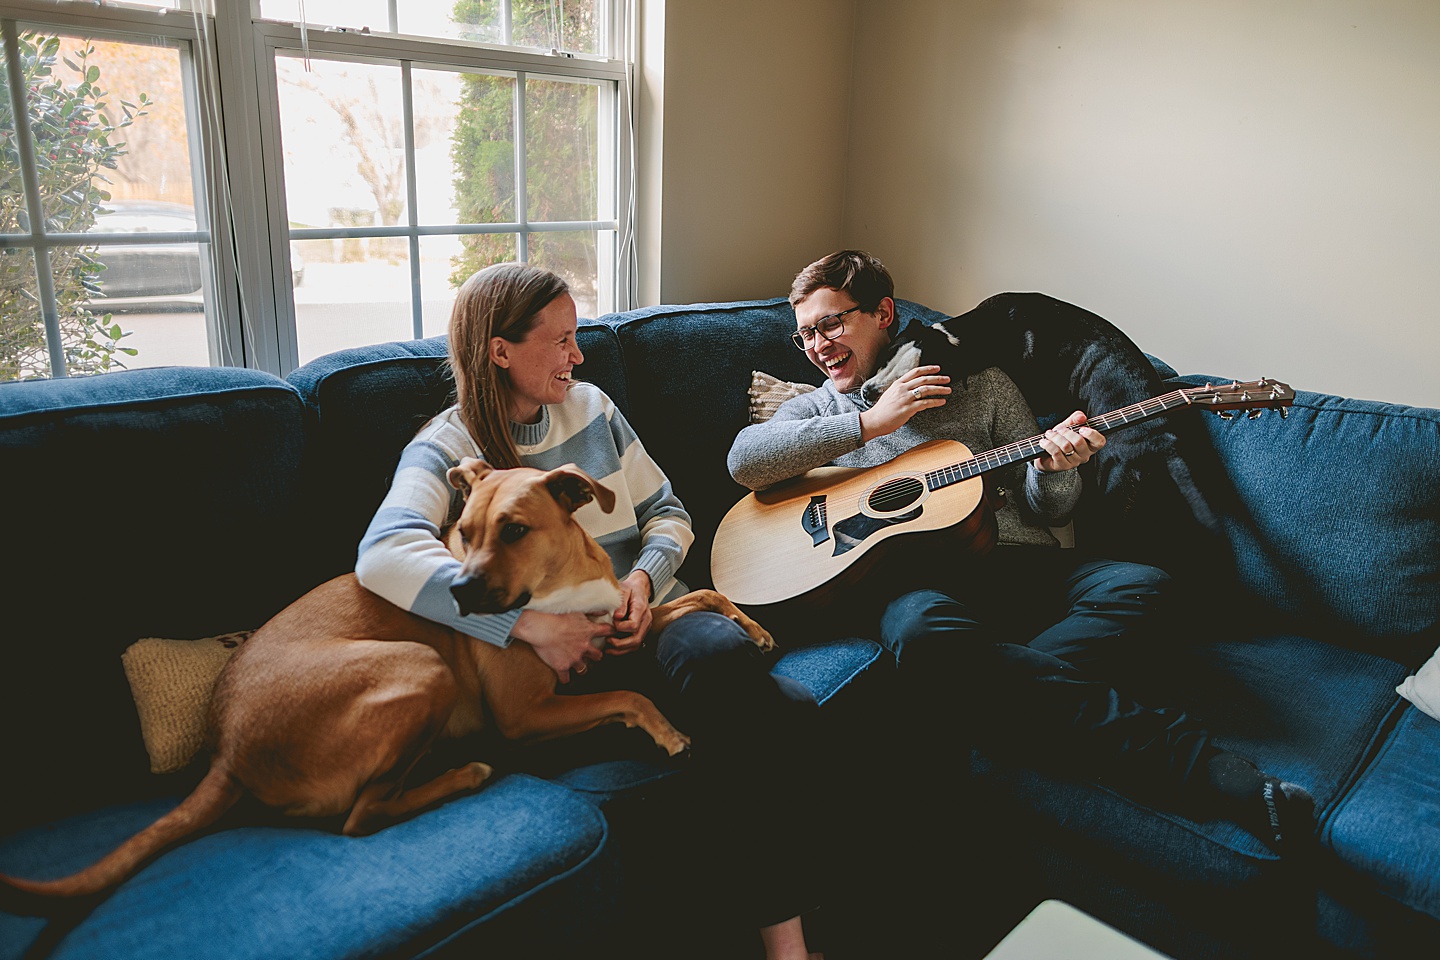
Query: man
[1017,640]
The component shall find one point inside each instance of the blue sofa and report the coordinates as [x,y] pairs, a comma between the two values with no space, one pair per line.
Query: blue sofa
[186,503]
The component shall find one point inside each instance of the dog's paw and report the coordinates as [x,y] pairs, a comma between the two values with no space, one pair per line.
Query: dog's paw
[758,634]
[674,743]
[475,773]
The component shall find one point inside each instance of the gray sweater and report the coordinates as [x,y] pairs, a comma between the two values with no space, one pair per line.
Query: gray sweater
[983,411]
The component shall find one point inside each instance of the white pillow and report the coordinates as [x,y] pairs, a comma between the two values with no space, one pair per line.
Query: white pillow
[1423,688]
[767,393]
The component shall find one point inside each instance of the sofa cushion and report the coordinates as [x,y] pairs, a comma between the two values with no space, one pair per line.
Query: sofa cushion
[1387,827]
[161,502]
[364,404]
[1302,709]
[1338,517]
[306,894]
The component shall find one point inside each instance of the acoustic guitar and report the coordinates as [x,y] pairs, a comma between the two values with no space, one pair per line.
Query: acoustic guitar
[808,533]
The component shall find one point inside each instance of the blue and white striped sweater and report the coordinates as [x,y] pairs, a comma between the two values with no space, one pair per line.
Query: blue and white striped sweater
[403,559]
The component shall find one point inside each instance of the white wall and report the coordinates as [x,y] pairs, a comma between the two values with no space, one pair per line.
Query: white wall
[744,123]
[1246,187]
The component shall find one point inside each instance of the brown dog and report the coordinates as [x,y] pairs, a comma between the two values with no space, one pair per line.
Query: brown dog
[328,707]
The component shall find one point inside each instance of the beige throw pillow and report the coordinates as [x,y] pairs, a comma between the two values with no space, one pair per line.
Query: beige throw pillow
[171,682]
[767,393]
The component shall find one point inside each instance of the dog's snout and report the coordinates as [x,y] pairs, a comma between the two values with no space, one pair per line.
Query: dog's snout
[476,595]
[469,593]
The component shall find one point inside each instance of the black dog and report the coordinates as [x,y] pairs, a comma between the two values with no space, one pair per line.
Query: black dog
[1155,483]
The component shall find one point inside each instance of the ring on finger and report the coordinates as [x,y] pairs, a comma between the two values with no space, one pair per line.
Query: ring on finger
[916,393]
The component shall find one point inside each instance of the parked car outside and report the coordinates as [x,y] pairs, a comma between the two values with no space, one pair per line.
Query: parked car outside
[155,275]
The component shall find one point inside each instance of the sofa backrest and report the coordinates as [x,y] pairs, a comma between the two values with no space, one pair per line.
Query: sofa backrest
[1338,521]
[689,371]
[363,405]
[151,503]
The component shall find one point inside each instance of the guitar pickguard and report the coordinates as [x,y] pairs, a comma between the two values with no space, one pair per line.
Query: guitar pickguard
[852,531]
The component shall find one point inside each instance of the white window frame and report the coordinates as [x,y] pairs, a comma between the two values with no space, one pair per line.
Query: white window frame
[251,315]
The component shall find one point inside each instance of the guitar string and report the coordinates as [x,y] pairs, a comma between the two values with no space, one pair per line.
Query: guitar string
[1030,447]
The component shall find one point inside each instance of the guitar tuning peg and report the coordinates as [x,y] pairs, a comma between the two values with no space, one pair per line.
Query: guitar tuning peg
[1284,412]
[1225,414]
[1254,414]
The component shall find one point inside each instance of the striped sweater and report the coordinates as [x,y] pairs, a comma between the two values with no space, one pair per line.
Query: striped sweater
[403,559]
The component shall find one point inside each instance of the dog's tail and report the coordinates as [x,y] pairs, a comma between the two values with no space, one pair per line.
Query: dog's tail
[210,799]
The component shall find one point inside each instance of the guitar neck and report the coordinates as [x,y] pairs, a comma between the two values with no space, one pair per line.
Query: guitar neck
[1030,448]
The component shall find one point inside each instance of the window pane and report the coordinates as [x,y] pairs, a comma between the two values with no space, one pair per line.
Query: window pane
[338,13]
[108,121]
[438,279]
[153,295]
[573,26]
[22,330]
[109,140]
[560,150]
[342,126]
[353,292]
[574,256]
[468,173]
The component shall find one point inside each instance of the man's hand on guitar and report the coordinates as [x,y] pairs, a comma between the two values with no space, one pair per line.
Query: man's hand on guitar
[1068,444]
[919,389]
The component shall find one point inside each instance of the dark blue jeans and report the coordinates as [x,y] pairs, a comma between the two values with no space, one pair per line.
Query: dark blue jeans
[1020,651]
[753,773]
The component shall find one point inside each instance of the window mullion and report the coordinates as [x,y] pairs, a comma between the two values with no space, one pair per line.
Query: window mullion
[44,281]
[522,208]
[407,98]
[245,65]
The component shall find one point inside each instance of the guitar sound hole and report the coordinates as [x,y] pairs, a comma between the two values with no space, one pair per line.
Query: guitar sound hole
[896,494]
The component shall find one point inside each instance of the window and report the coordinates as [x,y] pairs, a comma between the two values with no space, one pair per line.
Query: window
[104,146]
[368,161]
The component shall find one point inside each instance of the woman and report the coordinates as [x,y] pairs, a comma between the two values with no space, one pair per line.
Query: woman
[513,352]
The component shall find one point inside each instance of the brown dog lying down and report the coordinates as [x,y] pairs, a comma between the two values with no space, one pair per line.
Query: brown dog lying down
[327,707]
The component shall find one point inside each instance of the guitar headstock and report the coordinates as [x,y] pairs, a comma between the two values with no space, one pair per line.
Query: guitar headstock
[1255,396]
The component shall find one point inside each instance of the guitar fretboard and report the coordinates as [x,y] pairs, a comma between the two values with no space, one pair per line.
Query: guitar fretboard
[1030,447]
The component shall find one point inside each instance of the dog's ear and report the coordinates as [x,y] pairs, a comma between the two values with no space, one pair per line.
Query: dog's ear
[572,488]
[467,473]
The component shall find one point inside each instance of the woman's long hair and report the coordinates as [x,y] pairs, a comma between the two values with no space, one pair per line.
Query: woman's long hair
[499,301]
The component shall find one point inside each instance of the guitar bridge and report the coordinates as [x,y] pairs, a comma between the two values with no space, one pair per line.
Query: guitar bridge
[815,522]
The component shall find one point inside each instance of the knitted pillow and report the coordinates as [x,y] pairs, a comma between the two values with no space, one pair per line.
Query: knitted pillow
[1423,688]
[767,393]
[171,682]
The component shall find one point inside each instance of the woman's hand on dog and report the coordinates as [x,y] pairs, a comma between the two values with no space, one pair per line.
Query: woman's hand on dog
[920,389]
[565,641]
[1068,444]
[632,620]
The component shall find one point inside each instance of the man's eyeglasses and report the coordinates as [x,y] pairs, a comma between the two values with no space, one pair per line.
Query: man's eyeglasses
[828,327]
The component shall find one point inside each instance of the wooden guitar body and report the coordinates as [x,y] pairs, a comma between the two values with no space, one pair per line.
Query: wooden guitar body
[826,528]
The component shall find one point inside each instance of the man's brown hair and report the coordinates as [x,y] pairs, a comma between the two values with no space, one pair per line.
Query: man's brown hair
[853,271]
